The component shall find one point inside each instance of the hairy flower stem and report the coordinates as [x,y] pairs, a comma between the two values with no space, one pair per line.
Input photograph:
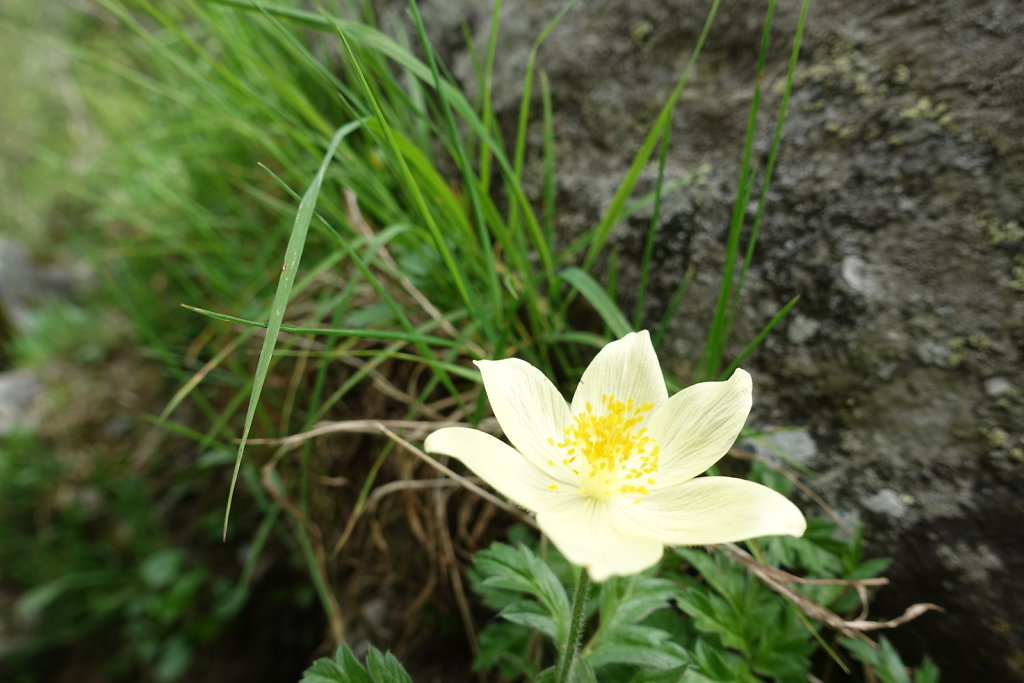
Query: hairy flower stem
[579,609]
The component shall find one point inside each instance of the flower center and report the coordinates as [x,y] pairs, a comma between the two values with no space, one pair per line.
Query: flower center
[609,450]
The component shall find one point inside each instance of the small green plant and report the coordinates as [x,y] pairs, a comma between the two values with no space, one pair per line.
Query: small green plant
[887,664]
[65,331]
[695,617]
[97,565]
[345,668]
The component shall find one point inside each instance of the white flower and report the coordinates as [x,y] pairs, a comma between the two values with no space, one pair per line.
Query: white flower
[613,476]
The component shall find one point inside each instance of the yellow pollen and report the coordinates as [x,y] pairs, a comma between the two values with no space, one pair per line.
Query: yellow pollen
[611,442]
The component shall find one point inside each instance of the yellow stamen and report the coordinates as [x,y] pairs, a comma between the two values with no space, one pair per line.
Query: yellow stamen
[613,444]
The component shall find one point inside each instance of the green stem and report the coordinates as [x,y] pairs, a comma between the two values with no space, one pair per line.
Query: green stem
[579,609]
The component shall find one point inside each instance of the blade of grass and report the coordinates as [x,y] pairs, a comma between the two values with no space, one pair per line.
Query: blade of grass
[381,291]
[293,254]
[652,230]
[548,206]
[470,178]
[519,153]
[586,285]
[673,304]
[411,337]
[372,39]
[524,100]
[198,377]
[611,217]
[770,165]
[776,319]
[454,269]
[486,97]
[714,346]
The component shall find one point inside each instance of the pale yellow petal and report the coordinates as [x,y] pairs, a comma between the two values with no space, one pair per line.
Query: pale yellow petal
[697,426]
[712,510]
[627,369]
[589,534]
[529,409]
[501,466]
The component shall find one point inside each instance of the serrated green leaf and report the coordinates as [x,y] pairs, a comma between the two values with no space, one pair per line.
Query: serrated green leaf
[532,615]
[642,646]
[344,668]
[384,668]
[928,672]
[581,672]
[892,663]
[349,666]
[504,646]
[712,614]
[718,664]
[518,570]
[628,600]
[773,479]
[721,573]
[676,675]
[324,671]
[623,602]
[784,635]
[884,660]
[870,568]
[783,663]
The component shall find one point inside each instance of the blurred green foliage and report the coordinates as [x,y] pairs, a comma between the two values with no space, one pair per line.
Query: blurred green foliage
[98,566]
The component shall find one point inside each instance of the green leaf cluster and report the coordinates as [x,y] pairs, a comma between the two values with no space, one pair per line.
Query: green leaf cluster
[345,668]
[101,569]
[746,630]
[530,595]
[698,616]
[887,664]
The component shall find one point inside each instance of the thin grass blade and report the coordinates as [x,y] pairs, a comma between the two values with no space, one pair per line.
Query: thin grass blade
[770,165]
[714,346]
[765,331]
[293,254]
[586,285]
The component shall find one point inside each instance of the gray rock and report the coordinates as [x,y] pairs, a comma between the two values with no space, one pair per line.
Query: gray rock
[25,284]
[861,277]
[19,390]
[932,352]
[17,284]
[997,386]
[792,444]
[801,329]
[886,502]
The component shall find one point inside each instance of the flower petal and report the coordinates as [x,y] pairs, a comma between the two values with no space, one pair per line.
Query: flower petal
[716,510]
[588,534]
[627,369]
[500,465]
[697,426]
[529,409]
